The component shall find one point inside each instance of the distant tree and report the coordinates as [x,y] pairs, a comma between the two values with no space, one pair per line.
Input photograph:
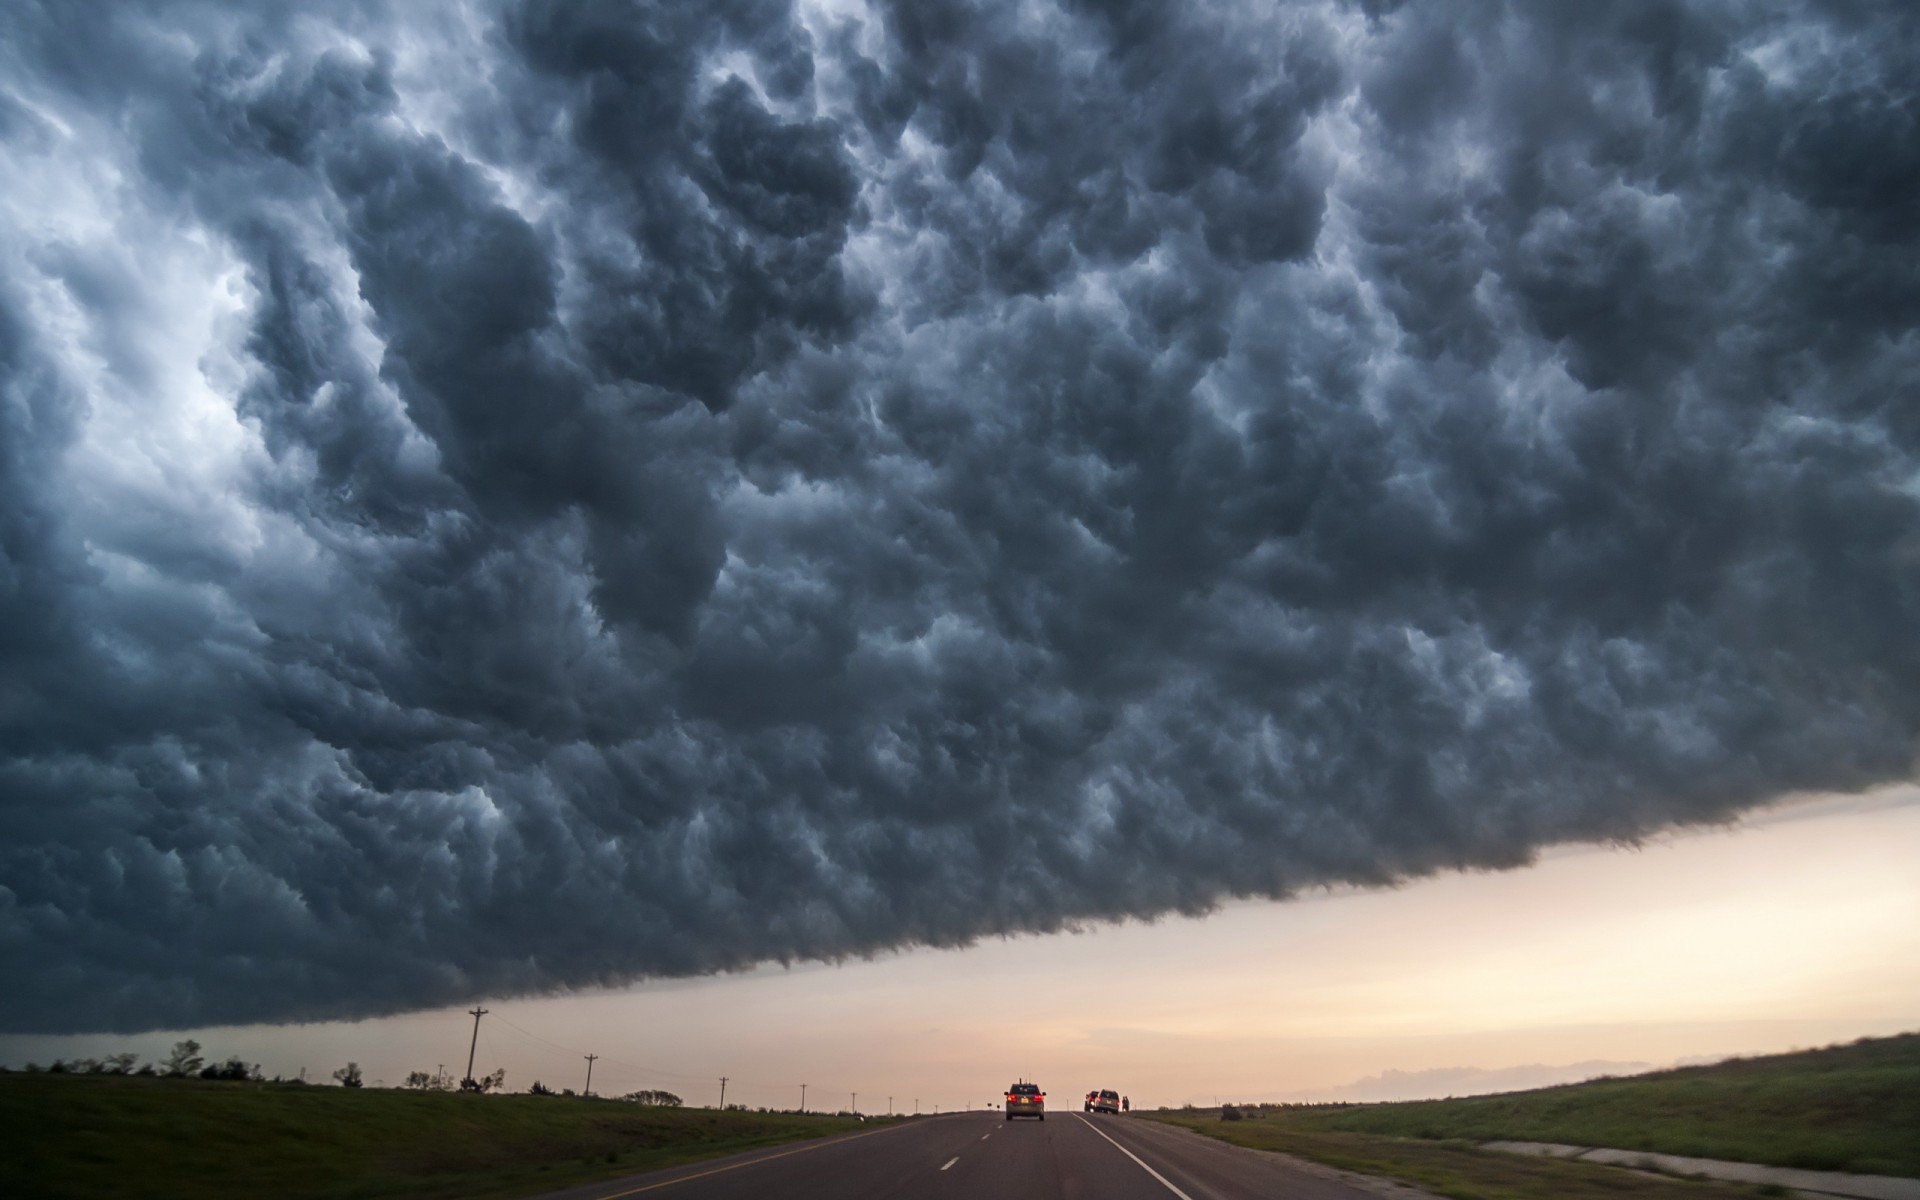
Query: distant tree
[653,1099]
[119,1064]
[232,1069]
[486,1083]
[566,1091]
[349,1076]
[1229,1113]
[539,1089]
[184,1059]
[419,1081]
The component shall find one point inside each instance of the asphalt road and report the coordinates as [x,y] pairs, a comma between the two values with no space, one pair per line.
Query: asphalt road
[1066,1157]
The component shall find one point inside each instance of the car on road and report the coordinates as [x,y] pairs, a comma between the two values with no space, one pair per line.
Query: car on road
[1026,1100]
[1106,1100]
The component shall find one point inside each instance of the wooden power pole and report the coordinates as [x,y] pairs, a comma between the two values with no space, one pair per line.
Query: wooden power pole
[478,1012]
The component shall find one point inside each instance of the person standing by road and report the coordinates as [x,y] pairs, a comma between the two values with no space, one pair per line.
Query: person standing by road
[1126,1105]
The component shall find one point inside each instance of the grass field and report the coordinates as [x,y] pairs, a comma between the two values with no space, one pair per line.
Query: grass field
[1845,1108]
[177,1139]
[1456,1169]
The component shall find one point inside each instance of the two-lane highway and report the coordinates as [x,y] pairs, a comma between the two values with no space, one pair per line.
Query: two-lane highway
[1066,1157]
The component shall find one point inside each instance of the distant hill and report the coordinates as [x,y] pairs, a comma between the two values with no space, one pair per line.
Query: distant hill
[1440,1082]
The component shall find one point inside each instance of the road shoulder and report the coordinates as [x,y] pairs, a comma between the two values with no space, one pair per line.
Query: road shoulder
[1809,1183]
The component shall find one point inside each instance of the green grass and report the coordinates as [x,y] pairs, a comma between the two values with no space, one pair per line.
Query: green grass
[1845,1108]
[94,1136]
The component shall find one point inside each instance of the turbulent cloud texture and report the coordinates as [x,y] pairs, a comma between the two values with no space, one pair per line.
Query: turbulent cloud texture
[499,497]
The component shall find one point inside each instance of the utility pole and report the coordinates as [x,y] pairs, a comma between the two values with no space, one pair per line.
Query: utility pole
[889,1105]
[723,1093]
[856,1103]
[803,1097]
[478,1012]
[916,1106]
[589,1058]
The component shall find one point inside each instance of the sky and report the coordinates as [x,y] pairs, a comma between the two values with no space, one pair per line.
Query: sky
[1797,927]
[508,500]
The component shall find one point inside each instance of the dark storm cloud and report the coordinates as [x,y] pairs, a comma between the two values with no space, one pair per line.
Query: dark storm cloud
[503,498]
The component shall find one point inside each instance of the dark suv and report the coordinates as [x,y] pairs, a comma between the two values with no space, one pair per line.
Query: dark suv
[1026,1100]
[1103,1101]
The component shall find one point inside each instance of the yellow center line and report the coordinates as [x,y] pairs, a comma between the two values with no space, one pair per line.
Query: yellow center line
[839,1141]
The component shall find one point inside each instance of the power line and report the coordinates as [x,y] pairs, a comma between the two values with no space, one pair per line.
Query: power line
[644,1073]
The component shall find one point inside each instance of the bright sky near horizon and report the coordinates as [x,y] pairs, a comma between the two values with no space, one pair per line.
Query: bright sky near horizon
[1799,926]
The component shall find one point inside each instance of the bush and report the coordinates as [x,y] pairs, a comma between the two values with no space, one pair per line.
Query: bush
[486,1083]
[1229,1113]
[234,1069]
[349,1076]
[653,1098]
[119,1064]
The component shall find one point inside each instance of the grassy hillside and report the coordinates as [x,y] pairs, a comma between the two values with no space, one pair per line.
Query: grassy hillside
[1844,1108]
[100,1136]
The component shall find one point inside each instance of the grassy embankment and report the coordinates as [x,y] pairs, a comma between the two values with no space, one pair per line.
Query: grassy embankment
[177,1139]
[1844,1108]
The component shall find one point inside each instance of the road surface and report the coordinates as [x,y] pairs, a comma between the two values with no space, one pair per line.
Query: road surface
[1066,1157]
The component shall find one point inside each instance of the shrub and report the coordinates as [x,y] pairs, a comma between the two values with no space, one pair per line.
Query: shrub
[233,1069]
[653,1098]
[1229,1113]
[119,1064]
[349,1076]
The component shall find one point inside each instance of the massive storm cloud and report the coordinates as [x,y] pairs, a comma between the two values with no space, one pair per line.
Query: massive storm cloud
[500,498]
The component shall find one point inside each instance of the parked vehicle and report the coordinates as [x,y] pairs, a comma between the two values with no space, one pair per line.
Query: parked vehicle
[1106,1101]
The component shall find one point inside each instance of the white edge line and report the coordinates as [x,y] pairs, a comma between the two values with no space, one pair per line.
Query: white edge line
[1164,1182]
[951,1161]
